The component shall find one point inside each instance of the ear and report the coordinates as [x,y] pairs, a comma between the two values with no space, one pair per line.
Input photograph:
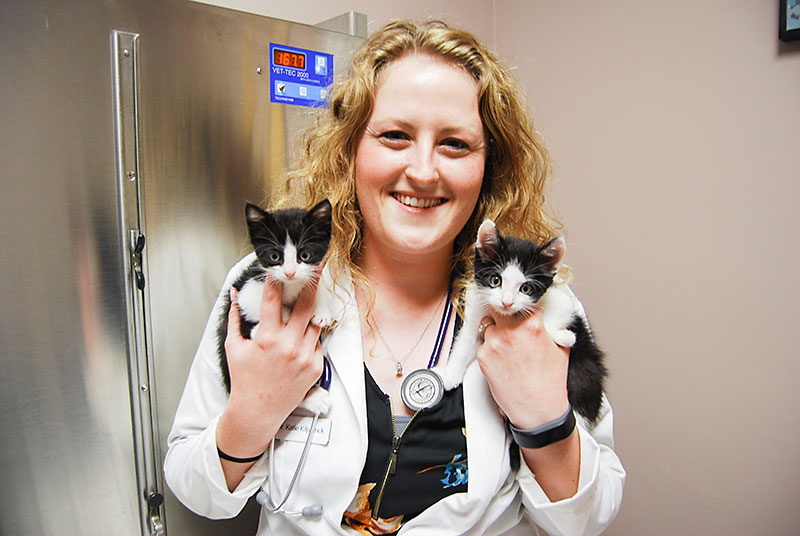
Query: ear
[320,213]
[553,252]
[257,219]
[489,239]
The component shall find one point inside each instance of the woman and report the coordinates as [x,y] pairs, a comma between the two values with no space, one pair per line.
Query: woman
[425,139]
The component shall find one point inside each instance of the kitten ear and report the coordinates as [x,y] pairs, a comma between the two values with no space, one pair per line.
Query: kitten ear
[320,213]
[257,218]
[489,239]
[319,218]
[553,252]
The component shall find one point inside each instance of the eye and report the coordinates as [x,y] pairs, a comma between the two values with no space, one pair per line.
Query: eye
[526,288]
[455,144]
[304,256]
[394,136]
[274,257]
[495,280]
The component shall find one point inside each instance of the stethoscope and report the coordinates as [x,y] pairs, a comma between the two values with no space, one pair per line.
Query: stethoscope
[416,383]
[265,499]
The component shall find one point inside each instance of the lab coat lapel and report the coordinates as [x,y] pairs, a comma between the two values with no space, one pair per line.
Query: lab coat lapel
[487,461]
[486,437]
[343,348]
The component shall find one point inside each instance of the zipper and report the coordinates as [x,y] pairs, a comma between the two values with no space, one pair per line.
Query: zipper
[391,465]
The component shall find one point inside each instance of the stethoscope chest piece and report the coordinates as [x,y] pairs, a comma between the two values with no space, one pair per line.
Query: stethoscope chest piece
[422,389]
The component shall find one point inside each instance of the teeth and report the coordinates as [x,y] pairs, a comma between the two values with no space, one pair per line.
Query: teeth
[416,202]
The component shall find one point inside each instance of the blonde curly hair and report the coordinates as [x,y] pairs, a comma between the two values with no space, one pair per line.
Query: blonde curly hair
[517,165]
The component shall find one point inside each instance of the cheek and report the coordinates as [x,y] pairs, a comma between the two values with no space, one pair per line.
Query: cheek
[275,273]
[467,179]
[305,272]
[367,181]
[468,192]
[488,297]
[374,167]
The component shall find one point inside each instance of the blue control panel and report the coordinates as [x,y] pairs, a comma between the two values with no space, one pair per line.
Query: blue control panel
[299,76]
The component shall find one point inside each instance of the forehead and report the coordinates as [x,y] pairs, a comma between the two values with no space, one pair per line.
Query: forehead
[428,85]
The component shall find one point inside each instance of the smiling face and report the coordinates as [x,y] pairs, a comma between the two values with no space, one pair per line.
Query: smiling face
[420,161]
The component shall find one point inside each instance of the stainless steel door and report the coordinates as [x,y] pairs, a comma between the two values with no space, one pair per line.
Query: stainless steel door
[211,139]
[208,139]
[65,415]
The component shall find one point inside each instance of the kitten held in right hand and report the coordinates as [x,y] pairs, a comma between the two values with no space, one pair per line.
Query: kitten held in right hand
[290,245]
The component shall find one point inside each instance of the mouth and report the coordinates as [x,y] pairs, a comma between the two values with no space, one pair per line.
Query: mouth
[418,202]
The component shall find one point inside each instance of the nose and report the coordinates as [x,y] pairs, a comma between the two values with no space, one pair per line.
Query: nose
[289,270]
[422,166]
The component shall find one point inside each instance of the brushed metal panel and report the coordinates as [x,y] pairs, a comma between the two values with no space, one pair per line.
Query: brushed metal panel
[67,463]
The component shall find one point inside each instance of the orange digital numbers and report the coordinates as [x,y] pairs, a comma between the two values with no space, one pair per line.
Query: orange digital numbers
[285,58]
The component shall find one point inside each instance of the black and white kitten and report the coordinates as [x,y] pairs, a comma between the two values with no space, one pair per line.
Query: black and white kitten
[289,244]
[514,277]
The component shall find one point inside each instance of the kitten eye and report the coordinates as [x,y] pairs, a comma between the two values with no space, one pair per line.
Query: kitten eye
[526,288]
[495,280]
[274,257]
[304,256]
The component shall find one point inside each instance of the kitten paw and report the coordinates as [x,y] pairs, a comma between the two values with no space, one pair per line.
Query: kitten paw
[450,378]
[318,400]
[564,337]
[323,321]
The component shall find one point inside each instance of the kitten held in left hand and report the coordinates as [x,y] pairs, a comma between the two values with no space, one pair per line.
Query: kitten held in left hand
[515,277]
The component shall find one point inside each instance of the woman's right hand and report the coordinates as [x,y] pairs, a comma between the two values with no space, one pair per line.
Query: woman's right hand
[270,373]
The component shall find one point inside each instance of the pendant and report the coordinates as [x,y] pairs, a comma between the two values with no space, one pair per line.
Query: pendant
[399,369]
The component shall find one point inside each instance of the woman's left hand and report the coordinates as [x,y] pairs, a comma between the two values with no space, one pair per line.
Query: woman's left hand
[527,374]
[526,370]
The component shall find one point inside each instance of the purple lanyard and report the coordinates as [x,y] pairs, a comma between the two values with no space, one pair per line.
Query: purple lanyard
[437,348]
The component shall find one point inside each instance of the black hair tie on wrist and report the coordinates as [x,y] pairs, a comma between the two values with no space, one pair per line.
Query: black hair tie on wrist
[546,434]
[238,460]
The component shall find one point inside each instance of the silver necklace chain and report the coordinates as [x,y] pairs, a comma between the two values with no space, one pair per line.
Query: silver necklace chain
[400,362]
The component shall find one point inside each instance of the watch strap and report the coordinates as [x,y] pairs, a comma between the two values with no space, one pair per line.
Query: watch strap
[546,434]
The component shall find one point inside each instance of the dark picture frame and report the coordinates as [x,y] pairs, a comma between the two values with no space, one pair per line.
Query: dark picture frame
[789,29]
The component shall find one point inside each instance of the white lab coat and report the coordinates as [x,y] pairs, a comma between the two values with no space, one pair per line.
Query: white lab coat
[498,500]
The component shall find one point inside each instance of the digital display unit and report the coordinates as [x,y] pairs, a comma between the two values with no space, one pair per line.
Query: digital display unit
[299,76]
[285,58]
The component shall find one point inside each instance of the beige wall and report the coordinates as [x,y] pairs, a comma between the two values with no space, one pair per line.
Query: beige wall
[477,15]
[675,130]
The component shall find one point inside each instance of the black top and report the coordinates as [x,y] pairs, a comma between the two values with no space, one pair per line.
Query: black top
[407,472]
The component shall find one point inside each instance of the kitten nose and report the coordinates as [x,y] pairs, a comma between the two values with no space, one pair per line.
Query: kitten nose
[289,274]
